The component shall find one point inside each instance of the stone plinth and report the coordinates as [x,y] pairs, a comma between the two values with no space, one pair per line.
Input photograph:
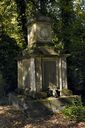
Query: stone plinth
[39,32]
[42,106]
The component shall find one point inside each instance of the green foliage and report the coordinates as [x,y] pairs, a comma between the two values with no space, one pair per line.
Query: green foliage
[76,111]
[8,21]
[8,64]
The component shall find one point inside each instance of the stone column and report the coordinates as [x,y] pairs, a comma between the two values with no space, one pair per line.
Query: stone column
[60,75]
[32,75]
[20,74]
[57,72]
[64,72]
[38,74]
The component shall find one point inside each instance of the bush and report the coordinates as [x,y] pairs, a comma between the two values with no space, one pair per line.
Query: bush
[75,112]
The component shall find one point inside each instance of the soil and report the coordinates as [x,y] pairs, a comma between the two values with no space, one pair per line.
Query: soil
[13,118]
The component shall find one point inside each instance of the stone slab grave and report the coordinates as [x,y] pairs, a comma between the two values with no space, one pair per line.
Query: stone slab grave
[41,107]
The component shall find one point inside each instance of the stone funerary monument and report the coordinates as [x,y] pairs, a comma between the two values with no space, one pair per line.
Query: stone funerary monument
[40,66]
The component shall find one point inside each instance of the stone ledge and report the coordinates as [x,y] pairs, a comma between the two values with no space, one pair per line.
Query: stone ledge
[50,104]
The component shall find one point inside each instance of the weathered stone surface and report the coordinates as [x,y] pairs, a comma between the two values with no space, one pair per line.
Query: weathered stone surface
[39,30]
[44,65]
[48,105]
[37,73]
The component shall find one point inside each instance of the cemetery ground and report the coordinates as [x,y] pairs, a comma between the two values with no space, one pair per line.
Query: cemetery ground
[13,118]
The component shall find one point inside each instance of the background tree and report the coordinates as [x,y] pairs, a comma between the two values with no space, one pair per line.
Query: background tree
[76,68]
[10,39]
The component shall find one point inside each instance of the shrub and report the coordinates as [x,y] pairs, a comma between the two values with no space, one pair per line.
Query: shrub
[76,111]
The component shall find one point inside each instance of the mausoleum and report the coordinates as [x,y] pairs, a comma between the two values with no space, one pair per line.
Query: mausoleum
[41,67]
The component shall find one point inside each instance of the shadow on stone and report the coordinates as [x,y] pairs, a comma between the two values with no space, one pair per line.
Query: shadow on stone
[40,108]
